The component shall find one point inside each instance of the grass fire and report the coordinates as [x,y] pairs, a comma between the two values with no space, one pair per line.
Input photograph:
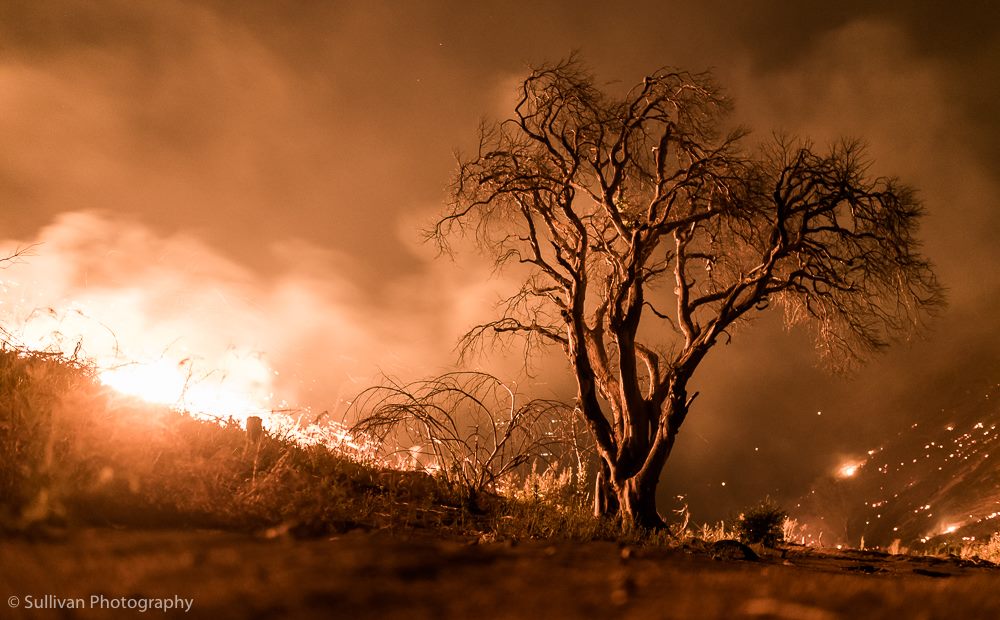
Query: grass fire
[390,311]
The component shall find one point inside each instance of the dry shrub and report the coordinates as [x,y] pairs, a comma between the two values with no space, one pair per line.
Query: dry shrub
[470,429]
[36,391]
[762,524]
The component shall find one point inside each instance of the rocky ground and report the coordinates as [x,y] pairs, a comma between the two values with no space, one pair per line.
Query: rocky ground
[412,575]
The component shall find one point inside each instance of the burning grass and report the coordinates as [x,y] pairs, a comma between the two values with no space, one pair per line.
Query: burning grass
[74,450]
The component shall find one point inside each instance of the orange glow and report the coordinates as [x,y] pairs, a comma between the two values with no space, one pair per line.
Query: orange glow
[168,382]
[168,320]
[159,382]
[152,364]
[849,469]
[235,384]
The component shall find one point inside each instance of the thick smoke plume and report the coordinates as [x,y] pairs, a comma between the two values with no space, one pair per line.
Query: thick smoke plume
[134,301]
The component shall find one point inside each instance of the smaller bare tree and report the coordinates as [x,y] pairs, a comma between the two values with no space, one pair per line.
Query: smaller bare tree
[468,427]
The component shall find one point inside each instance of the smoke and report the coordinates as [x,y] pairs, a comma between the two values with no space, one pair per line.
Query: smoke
[197,197]
[119,293]
[767,413]
[192,119]
[169,319]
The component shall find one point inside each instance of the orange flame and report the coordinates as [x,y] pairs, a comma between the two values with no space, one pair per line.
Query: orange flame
[849,468]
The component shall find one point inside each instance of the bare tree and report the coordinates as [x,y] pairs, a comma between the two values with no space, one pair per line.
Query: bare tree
[597,199]
[468,427]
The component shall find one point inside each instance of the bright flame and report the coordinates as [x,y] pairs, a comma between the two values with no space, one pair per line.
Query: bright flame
[171,321]
[234,384]
[147,360]
[849,469]
[231,383]
[163,381]
[158,382]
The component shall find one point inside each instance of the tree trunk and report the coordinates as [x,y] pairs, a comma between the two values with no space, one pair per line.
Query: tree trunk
[637,498]
[633,498]
[605,498]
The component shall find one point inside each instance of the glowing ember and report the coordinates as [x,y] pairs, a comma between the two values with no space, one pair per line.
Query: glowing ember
[849,469]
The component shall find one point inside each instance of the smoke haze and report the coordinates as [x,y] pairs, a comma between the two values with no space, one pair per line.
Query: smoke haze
[246,181]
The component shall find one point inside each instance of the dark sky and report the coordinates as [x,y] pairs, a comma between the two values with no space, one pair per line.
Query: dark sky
[254,175]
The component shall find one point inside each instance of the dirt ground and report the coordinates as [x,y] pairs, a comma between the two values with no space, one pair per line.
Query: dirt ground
[378,575]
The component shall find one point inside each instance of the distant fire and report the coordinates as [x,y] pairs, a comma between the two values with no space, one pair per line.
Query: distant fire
[160,382]
[234,386]
[849,469]
[929,481]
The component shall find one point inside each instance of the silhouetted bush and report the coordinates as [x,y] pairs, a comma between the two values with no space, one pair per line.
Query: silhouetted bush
[762,524]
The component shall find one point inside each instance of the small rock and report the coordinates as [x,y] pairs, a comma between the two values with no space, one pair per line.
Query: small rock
[732,550]
[930,573]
